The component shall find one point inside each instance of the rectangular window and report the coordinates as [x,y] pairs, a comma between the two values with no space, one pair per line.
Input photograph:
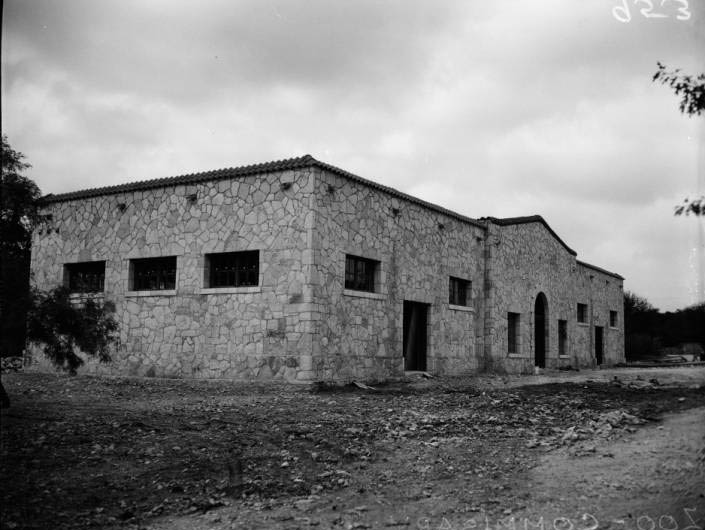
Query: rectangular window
[582,313]
[513,332]
[562,336]
[458,291]
[86,277]
[613,319]
[153,274]
[360,273]
[233,269]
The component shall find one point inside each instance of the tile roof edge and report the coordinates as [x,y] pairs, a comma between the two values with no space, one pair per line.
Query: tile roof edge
[599,269]
[253,169]
[508,221]
[185,179]
[399,194]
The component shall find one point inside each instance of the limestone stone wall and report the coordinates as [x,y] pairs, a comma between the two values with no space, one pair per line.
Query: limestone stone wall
[258,332]
[526,259]
[299,322]
[602,293]
[359,335]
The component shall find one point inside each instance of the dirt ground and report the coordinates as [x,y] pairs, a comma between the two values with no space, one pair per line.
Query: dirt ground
[560,451]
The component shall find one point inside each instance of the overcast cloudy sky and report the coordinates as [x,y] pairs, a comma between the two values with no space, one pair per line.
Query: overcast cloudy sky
[499,108]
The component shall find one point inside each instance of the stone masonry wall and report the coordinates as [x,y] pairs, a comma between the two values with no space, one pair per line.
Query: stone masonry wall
[261,332]
[527,260]
[299,322]
[602,293]
[359,334]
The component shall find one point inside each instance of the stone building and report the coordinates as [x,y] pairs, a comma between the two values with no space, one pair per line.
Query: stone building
[298,270]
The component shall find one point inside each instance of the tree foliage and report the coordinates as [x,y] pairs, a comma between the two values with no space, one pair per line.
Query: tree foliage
[696,207]
[635,304]
[691,90]
[18,217]
[61,326]
[647,330]
[52,320]
[18,202]
[639,320]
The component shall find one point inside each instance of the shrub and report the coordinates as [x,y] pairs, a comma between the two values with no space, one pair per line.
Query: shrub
[62,326]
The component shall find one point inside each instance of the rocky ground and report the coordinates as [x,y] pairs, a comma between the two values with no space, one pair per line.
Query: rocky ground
[575,451]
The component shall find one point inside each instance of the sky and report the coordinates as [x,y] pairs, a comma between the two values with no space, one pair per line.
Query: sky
[488,108]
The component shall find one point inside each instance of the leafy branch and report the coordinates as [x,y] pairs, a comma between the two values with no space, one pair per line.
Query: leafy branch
[691,90]
[62,326]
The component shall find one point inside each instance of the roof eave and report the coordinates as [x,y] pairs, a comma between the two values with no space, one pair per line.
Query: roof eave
[508,221]
[599,269]
[181,180]
[306,161]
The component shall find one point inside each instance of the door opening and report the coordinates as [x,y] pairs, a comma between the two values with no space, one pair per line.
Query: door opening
[599,344]
[415,339]
[540,324]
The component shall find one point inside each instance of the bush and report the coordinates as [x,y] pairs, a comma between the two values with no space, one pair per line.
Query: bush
[640,346]
[62,326]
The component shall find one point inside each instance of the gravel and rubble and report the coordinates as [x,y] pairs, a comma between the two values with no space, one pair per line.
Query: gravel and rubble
[128,451]
[11,364]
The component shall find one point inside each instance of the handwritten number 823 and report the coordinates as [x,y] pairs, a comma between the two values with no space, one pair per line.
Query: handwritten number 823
[621,12]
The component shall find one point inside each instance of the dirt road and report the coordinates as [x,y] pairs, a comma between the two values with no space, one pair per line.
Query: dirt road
[655,474]
[479,453]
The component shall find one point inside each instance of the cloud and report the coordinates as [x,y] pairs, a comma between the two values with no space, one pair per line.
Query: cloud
[175,52]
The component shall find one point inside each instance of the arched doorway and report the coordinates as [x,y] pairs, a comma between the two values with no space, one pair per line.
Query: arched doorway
[540,330]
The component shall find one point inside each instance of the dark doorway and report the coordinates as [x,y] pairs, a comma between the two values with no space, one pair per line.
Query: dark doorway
[415,323]
[599,344]
[540,321]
